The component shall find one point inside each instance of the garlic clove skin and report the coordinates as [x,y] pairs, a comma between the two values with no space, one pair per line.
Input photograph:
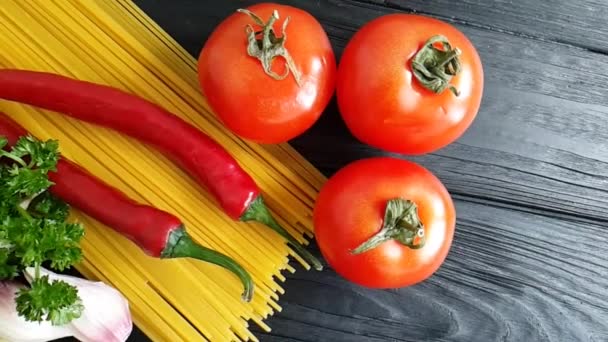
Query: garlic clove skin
[14,328]
[106,316]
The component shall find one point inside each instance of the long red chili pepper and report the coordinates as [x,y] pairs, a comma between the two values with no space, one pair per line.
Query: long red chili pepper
[158,233]
[197,153]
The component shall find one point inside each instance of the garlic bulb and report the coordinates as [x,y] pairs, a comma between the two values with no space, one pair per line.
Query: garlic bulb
[14,328]
[106,316]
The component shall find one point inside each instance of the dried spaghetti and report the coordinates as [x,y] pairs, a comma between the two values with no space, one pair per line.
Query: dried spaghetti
[115,43]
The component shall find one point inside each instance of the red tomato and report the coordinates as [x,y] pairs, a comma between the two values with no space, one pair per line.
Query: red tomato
[382,101]
[247,99]
[350,210]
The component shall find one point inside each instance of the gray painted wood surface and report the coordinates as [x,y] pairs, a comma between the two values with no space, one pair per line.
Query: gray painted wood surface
[530,180]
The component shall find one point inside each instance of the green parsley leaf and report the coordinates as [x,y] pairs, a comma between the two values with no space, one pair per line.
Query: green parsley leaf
[4,242]
[26,182]
[68,236]
[43,154]
[55,301]
[38,240]
[49,206]
[7,269]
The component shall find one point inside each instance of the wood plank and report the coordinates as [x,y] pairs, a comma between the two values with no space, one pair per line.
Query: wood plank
[510,276]
[580,23]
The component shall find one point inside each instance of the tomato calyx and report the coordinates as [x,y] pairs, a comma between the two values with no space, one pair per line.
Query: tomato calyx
[434,68]
[268,46]
[401,223]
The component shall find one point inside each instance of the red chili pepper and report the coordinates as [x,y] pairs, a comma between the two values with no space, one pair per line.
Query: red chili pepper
[158,233]
[206,161]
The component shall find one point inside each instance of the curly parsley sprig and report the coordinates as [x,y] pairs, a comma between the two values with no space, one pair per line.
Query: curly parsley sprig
[33,231]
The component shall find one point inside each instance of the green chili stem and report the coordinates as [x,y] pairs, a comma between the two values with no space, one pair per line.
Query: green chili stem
[181,245]
[258,212]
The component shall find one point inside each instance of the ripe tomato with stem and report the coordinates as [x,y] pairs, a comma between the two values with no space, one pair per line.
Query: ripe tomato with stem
[384,222]
[268,72]
[409,84]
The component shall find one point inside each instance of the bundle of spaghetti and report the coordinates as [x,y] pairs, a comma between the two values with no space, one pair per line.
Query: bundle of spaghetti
[115,43]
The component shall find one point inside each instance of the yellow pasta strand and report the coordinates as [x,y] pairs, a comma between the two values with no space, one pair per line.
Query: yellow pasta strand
[117,44]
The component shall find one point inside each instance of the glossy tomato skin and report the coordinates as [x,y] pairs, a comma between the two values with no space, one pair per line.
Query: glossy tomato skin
[248,101]
[350,209]
[383,104]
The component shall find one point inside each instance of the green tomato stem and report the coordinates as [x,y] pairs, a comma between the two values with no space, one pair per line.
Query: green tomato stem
[434,68]
[401,223]
[269,46]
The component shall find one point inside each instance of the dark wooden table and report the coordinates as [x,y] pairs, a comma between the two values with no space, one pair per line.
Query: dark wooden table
[530,180]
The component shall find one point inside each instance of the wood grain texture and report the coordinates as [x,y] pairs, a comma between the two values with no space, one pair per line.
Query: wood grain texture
[579,23]
[530,180]
[506,280]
